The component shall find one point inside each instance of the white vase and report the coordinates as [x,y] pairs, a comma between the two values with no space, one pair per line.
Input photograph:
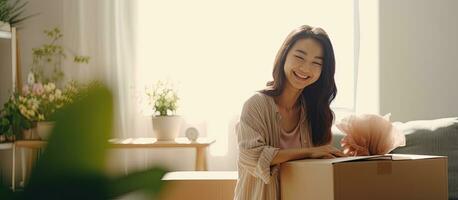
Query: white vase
[44,129]
[166,127]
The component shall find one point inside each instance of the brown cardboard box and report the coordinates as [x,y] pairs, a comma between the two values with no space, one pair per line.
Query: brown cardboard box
[395,176]
[201,185]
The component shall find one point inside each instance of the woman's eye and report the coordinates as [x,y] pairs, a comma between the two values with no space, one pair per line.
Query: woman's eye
[316,63]
[300,58]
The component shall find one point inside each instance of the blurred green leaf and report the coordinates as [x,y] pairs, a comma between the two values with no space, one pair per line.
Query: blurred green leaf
[73,164]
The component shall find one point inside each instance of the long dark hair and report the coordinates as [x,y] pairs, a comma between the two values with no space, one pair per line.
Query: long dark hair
[317,96]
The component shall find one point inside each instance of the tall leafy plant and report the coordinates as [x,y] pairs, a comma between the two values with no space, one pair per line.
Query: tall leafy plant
[50,57]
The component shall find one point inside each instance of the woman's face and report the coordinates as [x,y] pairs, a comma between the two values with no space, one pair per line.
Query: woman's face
[303,63]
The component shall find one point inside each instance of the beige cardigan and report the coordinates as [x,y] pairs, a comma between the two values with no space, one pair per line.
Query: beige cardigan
[258,143]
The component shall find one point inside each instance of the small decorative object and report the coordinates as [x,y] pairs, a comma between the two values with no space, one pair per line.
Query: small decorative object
[369,135]
[192,133]
[163,99]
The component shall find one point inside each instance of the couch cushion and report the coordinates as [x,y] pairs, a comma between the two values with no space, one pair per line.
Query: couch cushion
[434,137]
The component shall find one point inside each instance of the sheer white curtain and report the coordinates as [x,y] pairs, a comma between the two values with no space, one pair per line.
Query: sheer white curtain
[104,30]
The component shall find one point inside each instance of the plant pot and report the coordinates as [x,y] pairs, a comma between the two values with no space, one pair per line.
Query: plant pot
[166,127]
[30,134]
[2,138]
[5,26]
[44,129]
[10,138]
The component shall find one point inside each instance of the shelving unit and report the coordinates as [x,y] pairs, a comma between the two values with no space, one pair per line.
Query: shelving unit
[10,35]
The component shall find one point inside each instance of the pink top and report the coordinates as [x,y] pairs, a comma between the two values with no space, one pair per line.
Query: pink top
[290,140]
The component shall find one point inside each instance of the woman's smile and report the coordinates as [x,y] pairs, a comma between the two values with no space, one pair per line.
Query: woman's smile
[301,77]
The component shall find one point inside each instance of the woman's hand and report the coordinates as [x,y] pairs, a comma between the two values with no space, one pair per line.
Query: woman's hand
[325,151]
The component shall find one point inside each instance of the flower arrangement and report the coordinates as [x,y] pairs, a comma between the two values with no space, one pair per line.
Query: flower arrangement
[38,102]
[162,98]
[11,119]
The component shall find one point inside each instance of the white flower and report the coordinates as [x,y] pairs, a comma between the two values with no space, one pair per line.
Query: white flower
[49,87]
[23,110]
[31,78]
[31,113]
[41,117]
[26,90]
[58,93]
[51,97]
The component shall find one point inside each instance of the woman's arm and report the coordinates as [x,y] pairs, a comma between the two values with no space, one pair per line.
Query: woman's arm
[326,151]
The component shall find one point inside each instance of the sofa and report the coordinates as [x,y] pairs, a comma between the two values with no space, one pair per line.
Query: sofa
[428,137]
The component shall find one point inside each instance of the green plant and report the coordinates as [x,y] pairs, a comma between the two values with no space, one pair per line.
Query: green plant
[38,102]
[12,121]
[50,57]
[163,98]
[12,11]
[5,126]
[74,162]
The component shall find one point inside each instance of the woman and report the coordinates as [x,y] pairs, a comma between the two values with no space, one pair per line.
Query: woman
[291,118]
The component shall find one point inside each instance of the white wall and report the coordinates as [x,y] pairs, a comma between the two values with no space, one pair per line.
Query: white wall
[30,32]
[418,51]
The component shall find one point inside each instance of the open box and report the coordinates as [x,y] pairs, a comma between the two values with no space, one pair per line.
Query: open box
[391,176]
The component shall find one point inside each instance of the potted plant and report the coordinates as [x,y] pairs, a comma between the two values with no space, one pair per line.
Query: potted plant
[12,122]
[42,96]
[163,100]
[11,13]
[38,102]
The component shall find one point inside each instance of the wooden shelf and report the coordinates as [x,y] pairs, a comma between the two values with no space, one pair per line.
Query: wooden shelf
[7,145]
[5,34]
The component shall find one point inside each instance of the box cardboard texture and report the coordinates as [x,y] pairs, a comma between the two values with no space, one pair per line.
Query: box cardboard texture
[391,176]
[199,185]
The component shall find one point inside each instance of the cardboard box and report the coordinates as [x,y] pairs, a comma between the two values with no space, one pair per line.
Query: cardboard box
[395,176]
[199,185]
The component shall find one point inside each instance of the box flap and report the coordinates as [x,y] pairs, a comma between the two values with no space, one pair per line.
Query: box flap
[361,158]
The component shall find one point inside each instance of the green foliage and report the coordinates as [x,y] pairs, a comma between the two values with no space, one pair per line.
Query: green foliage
[74,162]
[51,56]
[163,98]
[11,119]
[12,11]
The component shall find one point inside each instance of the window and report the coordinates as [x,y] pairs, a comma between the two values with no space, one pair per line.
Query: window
[220,52]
